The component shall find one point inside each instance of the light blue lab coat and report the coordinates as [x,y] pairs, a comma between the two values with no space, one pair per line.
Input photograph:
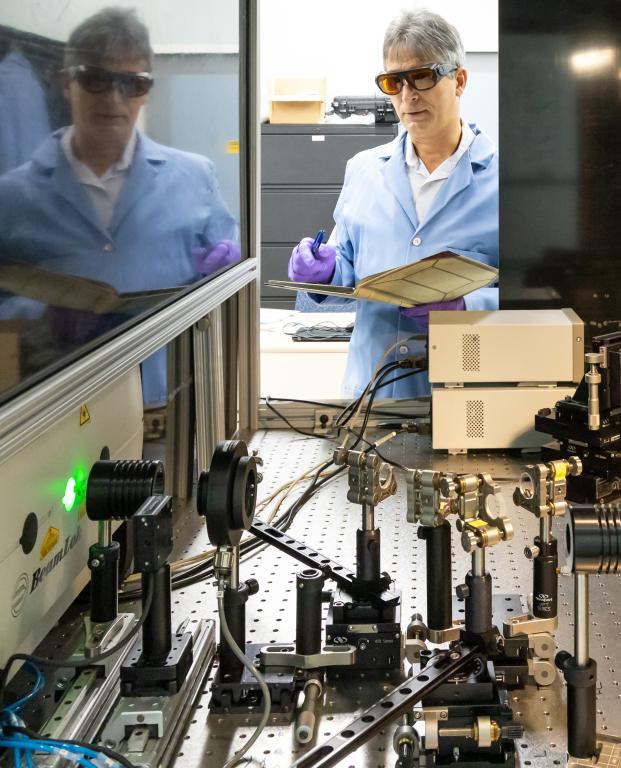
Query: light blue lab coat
[377,229]
[170,202]
[24,121]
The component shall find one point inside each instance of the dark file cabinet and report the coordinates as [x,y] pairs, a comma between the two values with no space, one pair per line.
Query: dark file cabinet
[302,170]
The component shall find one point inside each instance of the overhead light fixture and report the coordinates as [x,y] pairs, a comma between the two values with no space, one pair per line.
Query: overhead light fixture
[593,60]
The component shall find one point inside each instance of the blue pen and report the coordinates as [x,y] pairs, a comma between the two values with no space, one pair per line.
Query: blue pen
[318,241]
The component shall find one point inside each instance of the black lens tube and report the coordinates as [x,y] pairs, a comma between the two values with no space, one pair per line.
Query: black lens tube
[478,603]
[438,567]
[156,630]
[231,668]
[368,555]
[309,586]
[103,562]
[593,538]
[545,579]
[116,489]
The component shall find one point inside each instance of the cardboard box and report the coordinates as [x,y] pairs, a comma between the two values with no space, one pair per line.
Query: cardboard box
[296,100]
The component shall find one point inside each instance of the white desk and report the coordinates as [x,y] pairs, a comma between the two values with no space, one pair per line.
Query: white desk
[301,369]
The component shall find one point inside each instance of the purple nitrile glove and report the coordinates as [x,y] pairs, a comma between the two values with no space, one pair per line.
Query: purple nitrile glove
[222,254]
[421,312]
[306,267]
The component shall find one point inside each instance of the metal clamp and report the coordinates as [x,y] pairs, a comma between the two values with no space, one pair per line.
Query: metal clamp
[431,716]
[371,480]
[447,635]
[425,502]
[593,378]
[223,562]
[474,496]
[525,624]
[286,656]
[543,487]
[542,645]
[542,671]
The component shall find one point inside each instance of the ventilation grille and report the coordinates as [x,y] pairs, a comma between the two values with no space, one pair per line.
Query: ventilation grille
[475,418]
[470,352]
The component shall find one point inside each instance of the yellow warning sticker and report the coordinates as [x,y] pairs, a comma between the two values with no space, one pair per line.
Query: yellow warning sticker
[232,147]
[477,523]
[85,416]
[51,539]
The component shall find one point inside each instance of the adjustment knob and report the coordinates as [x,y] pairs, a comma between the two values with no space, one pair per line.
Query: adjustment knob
[561,658]
[469,540]
[462,591]
[252,585]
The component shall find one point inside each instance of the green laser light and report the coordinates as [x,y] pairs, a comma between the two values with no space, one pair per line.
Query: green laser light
[70,496]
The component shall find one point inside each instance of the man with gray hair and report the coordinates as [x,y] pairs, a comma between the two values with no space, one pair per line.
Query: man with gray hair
[101,200]
[431,190]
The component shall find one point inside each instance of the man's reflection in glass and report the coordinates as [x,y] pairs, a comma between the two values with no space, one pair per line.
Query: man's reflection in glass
[101,200]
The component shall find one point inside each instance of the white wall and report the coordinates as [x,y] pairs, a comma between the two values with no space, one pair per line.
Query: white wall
[341,40]
[175,25]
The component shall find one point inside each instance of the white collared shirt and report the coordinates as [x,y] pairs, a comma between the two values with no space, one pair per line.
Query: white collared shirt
[103,190]
[425,186]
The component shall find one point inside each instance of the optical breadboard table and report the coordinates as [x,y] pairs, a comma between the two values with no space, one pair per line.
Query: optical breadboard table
[328,523]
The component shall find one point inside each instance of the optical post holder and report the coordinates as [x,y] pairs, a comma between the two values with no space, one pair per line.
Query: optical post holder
[588,425]
[158,662]
[355,617]
[477,727]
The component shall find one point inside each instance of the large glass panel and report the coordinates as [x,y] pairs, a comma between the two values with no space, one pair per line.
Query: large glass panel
[560,184]
[119,171]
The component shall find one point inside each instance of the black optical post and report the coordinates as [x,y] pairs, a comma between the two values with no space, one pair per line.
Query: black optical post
[159,661]
[103,563]
[438,566]
[545,573]
[309,591]
[592,546]
[226,497]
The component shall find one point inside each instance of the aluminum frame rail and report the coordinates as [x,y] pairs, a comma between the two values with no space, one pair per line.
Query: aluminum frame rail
[22,420]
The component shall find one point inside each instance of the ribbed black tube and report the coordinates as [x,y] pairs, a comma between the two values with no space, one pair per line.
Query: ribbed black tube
[594,542]
[309,586]
[438,567]
[116,489]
